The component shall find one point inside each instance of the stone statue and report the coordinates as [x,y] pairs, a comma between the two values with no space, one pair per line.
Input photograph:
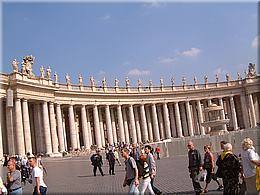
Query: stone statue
[183,81]
[251,71]
[92,81]
[127,82]
[161,82]
[23,69]
[104,82]
[139,83]
[217,78]
[238,76]
[173,81]
[15,65]
[80,80]
[28,62]
[68,81]
[42,72]
[227,77]
[195,80]
[55,77]
[150,83]
[206,79]
[116,82]
[48,73]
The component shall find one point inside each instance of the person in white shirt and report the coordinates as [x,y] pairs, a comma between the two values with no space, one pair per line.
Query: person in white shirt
[37,178]
[250,159]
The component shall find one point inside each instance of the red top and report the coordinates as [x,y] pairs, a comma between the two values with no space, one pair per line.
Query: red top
[157,149]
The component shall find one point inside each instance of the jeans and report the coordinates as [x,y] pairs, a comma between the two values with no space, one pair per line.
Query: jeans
[133,189]
[17,192]
[43,190]
[146,184]
[194,175]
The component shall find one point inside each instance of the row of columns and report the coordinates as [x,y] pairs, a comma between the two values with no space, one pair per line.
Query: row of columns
[131,123]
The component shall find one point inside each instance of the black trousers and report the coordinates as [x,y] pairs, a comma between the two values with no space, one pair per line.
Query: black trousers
[155,189]
[111,167]
[95,170]
[194,175]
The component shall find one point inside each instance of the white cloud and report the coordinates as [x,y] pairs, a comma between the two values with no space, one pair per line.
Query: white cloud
[105,17]
[137,72]
[101,72]
[255,42]
[152,4]
[192,52]
[166,60]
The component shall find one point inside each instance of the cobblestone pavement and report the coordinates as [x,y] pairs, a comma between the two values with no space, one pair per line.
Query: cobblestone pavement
[74,176]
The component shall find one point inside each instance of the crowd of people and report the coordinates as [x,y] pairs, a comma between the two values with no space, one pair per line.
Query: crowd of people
[21,170]
[238,172]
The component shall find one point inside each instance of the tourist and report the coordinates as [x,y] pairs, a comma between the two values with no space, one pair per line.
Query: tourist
[96,161]
[37,177]
[152,167]
[250,159]
[6,158]
[208,165]
[158,150]
[117,156]
[195,166]
[146,184]
[14,185]
[218,162]
[230,170]
[131,175]
[111,161]
[135,153]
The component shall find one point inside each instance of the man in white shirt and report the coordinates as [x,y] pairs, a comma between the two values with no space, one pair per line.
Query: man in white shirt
[40,187]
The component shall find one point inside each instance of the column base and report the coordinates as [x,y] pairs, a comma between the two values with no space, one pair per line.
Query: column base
[55,155]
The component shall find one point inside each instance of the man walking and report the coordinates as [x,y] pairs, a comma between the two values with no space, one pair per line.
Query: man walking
[13,179]
[37,178]
[96,160]
[152,167]
[111,160]
[195,166]
[131,175]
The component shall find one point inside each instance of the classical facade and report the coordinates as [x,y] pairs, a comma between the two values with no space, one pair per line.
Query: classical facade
[39,114]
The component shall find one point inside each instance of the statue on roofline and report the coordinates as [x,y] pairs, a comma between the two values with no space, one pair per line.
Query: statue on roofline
[173,81]
[183,80]
[48,73]
[251,71]
[150,83]
[217,78]
[92,81]
[15,64]
[68,81]
[127,82]
[116,82]
[27,65]
[104,82]
[228,77]
[80,79]
[206,79]
[161,82]
[42,72]
[55,76]
[139,83]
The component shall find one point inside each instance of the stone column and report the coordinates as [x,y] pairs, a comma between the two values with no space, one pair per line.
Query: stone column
[178,119]
[26,127]
[113,123]
[172,119]
[46,128]
[149,123]
[184,120]
[73,136]
[252,110]
[89,128]
[1,140]
[200,115]
[54,137]
[245,114]
[160,122]
[96,127]
[126,126]
[195,119]
[137,124]
[61,139]
[155,123]
[120,123]
[84,127]
[109,125]
[10,130]
[143,124]
[38,122]
[233,112]
[101,125]
[256,105]
[189,119]
[166,120]
[222,113]
[132,124]
[19,128]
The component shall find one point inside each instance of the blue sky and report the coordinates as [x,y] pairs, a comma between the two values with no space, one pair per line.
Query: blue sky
[139,40]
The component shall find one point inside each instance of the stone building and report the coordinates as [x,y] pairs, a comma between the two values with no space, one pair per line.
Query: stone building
[39,114]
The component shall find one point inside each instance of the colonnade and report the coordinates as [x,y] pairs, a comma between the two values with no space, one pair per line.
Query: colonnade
[50,127]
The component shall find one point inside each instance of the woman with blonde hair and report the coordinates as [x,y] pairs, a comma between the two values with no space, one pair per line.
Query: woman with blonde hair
[250,159]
